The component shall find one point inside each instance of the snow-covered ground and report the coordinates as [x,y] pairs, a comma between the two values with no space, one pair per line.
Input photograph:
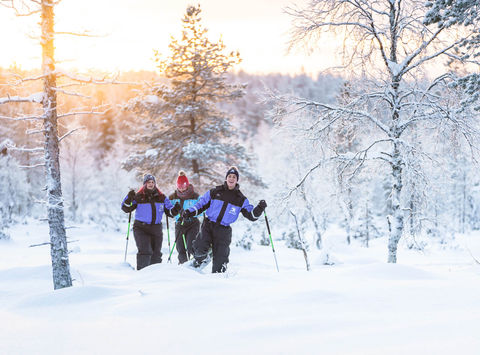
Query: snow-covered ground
[428,303]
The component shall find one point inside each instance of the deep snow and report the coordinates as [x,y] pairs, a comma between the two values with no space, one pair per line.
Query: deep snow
[428,303]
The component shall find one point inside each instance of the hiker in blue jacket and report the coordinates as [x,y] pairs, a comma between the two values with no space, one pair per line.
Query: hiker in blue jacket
[223,204]
[186,230]
[149,204]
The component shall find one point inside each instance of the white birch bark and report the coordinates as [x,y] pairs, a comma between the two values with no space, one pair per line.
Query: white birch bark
[389,43]
[56,222]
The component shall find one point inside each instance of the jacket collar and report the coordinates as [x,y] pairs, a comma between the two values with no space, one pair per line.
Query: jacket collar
[236,188]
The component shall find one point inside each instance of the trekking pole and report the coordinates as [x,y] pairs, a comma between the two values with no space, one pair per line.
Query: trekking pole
[171,252]
[187,254]
[128,233]
[168,234]
[271,240]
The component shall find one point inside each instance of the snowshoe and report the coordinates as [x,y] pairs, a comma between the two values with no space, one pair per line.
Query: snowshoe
[199,265]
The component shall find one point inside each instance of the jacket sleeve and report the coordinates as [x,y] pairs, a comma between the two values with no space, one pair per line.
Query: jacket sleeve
[202,203]
[168,204]
[203,209]
[248,211]
[128,207]
[170,208]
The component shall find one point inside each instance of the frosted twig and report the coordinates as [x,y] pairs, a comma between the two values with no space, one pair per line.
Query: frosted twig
[22,118]
[39,245]
[31,166]
[34,98]
[70,132]
[71,93]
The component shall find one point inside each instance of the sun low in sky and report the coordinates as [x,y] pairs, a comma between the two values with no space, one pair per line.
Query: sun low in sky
[126,33]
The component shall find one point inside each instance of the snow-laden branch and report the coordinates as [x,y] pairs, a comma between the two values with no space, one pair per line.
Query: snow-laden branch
[21,80]
[70,132]
[92,112]
[78,34]
[22,118]
[357,113]
[79,79]
[39,245]
[359,157]
[92,80]
[32,166]
[71,93]
[19,13]
[302,180]
[428,58]
[35,131]
[23,149]
[34,98]
[13,147]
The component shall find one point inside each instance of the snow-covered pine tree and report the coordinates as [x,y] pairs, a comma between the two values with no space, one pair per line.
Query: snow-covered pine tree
[391,49]
[183,127]
[465,13]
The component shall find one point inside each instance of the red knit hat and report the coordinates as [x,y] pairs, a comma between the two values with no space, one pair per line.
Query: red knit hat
[182,181]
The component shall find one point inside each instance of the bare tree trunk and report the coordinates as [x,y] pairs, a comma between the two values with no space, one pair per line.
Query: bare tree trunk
[347,208]
[74,203]
[196,172]
[302,242]
[397,213]
[58,239]
[464,201]
[367,224]
[397,161]
[318,234]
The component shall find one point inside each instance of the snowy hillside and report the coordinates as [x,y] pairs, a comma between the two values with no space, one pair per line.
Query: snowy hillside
[425,304]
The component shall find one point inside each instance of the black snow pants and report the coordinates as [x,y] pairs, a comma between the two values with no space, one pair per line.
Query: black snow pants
[148,238]
[190,232]
[219,238]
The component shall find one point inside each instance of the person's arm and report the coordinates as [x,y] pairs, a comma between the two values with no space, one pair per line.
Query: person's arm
[129,204]
[253,213]
[170,209]
[174,201]
[201,205]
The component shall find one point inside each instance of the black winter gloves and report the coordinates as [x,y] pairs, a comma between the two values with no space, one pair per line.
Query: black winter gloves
[187,214]
[130,197]
[257,211]
[174,211]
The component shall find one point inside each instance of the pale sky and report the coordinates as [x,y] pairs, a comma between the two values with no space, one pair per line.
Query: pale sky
[130,30]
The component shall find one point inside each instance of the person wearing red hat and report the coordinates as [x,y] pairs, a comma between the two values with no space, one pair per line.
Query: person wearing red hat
[186,196]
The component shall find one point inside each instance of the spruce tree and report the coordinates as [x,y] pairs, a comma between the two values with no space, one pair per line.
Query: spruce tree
[181,124]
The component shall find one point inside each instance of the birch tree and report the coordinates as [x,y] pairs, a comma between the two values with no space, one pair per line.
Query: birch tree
[48,116]
[393,50]
[48,99]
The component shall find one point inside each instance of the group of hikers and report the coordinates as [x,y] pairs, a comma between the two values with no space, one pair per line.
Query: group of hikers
[221,206]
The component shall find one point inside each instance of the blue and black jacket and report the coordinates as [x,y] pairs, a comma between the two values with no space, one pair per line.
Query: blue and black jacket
[185,203]
[149,206]
[223,205]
